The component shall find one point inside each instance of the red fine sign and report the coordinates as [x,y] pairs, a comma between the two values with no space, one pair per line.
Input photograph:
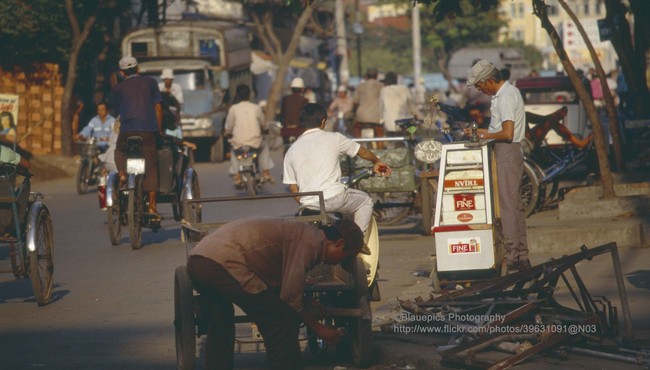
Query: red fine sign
[464,247]
[464,202]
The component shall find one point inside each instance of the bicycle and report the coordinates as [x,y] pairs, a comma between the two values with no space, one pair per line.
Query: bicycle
[27,225]
[89,169]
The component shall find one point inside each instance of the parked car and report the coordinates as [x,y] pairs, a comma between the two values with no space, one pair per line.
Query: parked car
[545,95]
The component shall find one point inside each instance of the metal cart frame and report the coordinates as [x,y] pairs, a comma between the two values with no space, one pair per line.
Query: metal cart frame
[344,295]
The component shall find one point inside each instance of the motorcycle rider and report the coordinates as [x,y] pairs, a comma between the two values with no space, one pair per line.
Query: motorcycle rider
[99,127]
[245,123]
[137,98]
[312,164]
[290,111]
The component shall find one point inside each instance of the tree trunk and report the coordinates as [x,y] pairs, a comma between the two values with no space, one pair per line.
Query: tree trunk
[443,65]
[632,60]
[602,79]
[280,58]
[78,39]
[539,9]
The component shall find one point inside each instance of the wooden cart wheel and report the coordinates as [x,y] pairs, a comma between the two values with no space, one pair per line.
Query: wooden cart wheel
[184,323]
[360,328]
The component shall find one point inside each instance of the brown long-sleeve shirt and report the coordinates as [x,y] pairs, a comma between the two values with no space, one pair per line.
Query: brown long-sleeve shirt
[266,252]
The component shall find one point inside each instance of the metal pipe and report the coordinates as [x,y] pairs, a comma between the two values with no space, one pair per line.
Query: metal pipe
[633,360]
[622,294]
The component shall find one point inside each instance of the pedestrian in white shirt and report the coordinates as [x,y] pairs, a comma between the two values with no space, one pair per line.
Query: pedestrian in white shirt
[395,103]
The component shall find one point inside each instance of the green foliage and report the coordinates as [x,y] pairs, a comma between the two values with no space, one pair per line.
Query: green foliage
[38,31]
[33,32]
[474,27]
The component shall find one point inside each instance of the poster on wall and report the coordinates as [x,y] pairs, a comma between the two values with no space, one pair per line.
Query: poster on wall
[8,116]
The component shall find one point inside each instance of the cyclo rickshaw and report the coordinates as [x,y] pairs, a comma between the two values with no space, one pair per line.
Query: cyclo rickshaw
[127,206]
[26,226]
[344,295]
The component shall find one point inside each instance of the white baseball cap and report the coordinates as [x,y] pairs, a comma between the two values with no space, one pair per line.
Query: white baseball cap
[128,62]
[167,74]
[342,88]
[298,83]
[479,71]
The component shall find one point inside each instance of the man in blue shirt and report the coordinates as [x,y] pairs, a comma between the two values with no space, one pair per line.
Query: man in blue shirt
[100,127]
[138,102]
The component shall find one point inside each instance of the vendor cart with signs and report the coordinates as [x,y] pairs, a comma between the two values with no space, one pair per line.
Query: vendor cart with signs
[467,227]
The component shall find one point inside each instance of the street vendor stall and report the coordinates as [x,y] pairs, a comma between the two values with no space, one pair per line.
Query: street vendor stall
[467,227]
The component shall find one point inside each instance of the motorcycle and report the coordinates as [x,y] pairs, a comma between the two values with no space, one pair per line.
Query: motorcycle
[89,170]
[248,167]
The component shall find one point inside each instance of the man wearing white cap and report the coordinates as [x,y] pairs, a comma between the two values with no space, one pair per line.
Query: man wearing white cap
[290,110]
[507,129]
[172,95]
[138,101]
[168,85]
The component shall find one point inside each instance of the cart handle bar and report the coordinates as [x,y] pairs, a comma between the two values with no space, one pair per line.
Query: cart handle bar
[319,194]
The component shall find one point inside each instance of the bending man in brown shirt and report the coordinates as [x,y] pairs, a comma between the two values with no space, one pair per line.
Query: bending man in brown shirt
[261,266]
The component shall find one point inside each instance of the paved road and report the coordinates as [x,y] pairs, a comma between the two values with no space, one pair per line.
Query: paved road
[113,306]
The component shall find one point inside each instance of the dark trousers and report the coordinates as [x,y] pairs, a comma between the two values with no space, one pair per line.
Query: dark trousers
[150,152]
[277,322]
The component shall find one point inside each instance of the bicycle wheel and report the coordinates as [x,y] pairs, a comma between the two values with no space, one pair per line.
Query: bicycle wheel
[192,212]
[41,265]
[184,322]
[114,214]
[136,207]
[17,266]
[250,185]
[177,203]
[83,177]
[391,208]
[428,193]
[530,189]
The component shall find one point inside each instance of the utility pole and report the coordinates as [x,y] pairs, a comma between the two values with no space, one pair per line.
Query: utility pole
[358,30]
[417,56]
[341,43]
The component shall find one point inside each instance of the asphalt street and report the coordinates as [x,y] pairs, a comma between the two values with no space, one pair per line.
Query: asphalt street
[113,306]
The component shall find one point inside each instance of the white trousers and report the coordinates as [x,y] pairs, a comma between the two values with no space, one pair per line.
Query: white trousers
[352,203]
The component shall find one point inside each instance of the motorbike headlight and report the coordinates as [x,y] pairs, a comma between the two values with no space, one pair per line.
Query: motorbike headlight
[203,123]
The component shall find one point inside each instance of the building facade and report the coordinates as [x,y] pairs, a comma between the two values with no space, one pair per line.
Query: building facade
[523,25]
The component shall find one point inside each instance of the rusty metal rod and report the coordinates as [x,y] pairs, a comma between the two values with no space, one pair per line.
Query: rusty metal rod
[622,294]
[633,360]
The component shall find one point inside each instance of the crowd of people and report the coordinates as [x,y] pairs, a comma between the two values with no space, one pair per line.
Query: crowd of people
[225,266]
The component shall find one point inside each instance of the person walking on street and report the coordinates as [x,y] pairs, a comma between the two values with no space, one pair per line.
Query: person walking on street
[290,111]
[245,123]
[366,106]
[100,127]
[341,108]
[138,101]
[312,164]
[261,266]
[507,129]
[395,103]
